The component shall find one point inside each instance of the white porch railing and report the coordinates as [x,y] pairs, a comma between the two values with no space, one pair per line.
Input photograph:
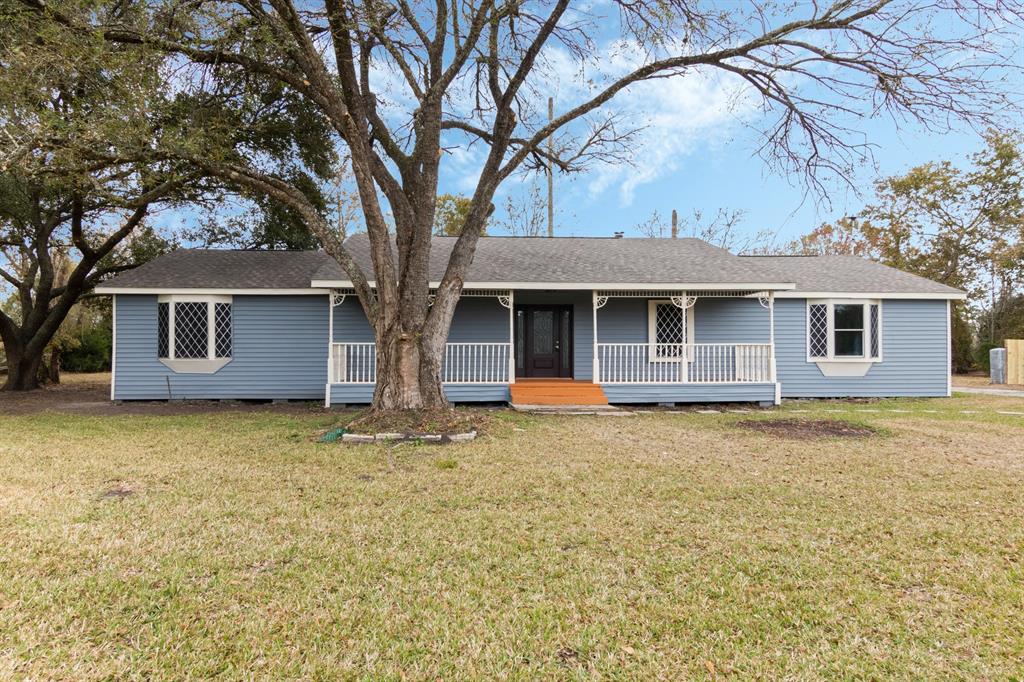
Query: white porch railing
[464,363]
[354,363]
[698,363]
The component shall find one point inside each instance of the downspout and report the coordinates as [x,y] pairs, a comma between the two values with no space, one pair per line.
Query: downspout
[113,344]
[771,348]
[330,348]
[511,337]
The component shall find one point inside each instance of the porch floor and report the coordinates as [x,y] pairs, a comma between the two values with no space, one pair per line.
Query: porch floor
[556,392]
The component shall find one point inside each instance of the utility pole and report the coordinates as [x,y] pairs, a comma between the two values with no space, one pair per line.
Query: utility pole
[551,174]
[675,224]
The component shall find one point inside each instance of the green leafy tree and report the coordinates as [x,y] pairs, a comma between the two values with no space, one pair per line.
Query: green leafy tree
[397,84]
[84,128]
[841,238]
[450,214]
[963,227]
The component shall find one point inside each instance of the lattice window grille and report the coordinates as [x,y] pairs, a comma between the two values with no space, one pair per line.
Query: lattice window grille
[191,330]
[222,327]
[670,330]
[875,341]
[163,330]
[817,337]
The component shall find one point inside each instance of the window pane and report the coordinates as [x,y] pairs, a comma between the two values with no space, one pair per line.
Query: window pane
[875,342]
[162,329]
[817,335]
[850,344]
[669,326]
[849,316]
[222,323]
[563,338]
[543,331]
[668,330]
[190,330]
[520,339]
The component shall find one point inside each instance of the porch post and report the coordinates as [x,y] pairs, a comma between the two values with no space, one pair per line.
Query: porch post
[330,348]
[511,337]
[771,348]
[595,374]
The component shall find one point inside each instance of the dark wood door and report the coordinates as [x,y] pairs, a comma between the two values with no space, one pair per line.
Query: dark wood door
[544,341]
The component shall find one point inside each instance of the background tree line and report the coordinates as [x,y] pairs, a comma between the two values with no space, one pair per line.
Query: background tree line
[961,226]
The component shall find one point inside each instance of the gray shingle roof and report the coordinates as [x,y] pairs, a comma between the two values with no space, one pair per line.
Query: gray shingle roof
[566,260]
[570,260]
[847,274]
[222,269]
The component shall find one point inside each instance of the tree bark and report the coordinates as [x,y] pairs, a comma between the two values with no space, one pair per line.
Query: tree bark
[22,368]
[53,367]
[408,373]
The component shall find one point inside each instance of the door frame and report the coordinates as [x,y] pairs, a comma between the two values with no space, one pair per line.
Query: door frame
[564,372]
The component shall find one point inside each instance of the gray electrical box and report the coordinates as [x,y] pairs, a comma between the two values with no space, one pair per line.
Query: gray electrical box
[997,365]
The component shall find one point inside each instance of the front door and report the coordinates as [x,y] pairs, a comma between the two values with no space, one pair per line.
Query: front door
[544,341]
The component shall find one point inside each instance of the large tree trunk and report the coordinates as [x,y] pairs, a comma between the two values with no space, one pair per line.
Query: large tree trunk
[22,368]
[53,367]
[408,373]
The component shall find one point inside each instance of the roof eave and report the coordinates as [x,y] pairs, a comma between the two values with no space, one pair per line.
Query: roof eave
[108,290]
[570,286]
[919,295]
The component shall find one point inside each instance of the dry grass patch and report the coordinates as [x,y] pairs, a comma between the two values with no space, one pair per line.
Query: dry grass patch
[807,429]
[665,546]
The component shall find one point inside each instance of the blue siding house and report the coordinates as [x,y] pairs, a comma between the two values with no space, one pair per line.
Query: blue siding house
[629,320]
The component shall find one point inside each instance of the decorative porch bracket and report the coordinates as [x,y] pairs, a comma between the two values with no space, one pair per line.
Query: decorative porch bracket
[683,302]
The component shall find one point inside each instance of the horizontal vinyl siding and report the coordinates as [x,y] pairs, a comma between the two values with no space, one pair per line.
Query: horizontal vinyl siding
[715,320]
[476,320]
[730,320]
[688,393]
[914,354]
[350,323]
[357,394]
[279,351]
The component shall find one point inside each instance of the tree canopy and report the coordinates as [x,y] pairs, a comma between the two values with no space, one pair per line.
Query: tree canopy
[84,128]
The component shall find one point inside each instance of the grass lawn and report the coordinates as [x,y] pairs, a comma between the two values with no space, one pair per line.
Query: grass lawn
[657,546]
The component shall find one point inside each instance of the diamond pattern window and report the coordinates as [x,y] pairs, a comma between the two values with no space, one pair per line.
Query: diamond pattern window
[191,330]
[817,339]
[669,330]
[163,330]
[222,326]
[194,328]
[875,332]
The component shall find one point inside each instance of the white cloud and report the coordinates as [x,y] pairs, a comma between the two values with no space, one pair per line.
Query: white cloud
[680,116]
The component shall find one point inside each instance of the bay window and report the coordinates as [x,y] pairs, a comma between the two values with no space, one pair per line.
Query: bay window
[844,330]
[194,333]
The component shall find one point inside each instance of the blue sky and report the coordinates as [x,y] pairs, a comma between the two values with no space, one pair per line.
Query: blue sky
[696,149]
[729,175]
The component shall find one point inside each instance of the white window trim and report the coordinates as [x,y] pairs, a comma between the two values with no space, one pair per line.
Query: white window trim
[211,363]
[830,340]
[652,330]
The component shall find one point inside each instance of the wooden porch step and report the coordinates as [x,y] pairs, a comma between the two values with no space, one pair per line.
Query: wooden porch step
[557,392]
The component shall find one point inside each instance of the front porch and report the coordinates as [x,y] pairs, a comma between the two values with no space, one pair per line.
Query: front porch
[643,346]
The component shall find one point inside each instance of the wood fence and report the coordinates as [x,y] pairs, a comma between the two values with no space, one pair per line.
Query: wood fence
[1015,361]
